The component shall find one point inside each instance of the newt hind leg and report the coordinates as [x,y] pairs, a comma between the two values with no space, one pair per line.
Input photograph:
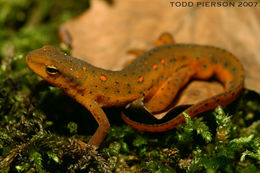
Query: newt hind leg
[164,38]
[165,95]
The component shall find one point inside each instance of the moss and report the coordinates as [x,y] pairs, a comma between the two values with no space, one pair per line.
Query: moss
[35,137]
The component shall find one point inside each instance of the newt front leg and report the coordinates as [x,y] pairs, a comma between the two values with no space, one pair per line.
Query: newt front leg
[101,118]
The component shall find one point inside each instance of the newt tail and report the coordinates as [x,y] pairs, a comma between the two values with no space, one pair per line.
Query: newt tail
[219,100]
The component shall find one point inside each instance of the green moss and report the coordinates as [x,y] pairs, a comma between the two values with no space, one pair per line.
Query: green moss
[72,126]
[158,167]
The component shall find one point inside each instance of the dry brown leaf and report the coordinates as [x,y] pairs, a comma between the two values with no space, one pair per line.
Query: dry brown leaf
[104,33]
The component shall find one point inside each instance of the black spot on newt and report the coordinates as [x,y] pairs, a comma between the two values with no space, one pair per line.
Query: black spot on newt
[204,66]
[234,69]
[214,59]
[226,63]
[142,93]
[172,60]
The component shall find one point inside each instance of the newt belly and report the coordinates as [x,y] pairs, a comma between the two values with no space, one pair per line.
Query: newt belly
[155,78]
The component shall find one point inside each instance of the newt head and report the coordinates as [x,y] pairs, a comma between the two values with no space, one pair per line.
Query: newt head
[54,66]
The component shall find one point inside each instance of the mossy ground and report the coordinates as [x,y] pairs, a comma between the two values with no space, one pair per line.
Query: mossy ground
[39,134]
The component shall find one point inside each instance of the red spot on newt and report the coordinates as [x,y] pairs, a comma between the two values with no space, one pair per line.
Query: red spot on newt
[140,79]
[84,68]
[162,61]
[155,67]
[103,78]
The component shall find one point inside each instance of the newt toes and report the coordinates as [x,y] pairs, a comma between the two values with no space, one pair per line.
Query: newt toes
[153,79]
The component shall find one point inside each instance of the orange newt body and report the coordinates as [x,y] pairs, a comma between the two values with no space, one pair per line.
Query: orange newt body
[155,78]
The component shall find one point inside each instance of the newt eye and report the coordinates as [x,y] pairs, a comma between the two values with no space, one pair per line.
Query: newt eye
[52,70]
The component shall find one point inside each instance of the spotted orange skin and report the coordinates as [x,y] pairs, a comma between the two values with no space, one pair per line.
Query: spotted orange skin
[155,78]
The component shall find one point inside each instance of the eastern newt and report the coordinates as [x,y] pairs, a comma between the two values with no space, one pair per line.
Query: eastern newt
[154,78]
